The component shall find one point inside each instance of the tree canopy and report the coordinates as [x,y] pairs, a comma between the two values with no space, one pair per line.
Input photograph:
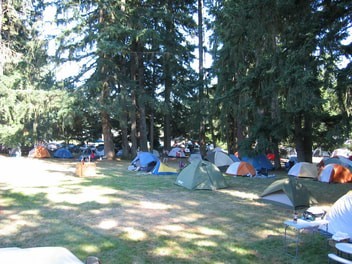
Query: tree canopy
[276,78]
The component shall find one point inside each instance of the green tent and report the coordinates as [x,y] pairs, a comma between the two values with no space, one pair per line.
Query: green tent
[201,175]
[289,193]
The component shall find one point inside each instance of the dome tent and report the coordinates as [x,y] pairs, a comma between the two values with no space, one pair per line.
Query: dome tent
[289,193]
[144,161]
[304,170]
[63,153]
[163,169]
[201,175]
[221,159]
[39,152]
[241,168]
[335,173]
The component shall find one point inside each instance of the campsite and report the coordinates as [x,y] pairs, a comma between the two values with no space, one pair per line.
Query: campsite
[124,216]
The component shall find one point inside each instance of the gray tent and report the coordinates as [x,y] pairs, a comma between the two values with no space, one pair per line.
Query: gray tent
[201,174]
[289,193]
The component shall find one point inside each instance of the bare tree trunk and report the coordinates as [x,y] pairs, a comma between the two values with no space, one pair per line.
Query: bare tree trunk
[143,140]
[134,106]
[202,139]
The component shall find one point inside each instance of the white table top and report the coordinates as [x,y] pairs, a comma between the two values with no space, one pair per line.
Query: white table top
[302,224]
[38,255]
[344,247]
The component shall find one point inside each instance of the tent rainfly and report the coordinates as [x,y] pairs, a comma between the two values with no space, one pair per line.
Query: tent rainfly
[241,168]
[335,173]
[163,169]
[304,170]
[289,193]
[221,159]
[201,175]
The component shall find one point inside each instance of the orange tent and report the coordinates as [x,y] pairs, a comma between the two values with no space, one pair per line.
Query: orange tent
[335,173]
[39,152]
[241,168]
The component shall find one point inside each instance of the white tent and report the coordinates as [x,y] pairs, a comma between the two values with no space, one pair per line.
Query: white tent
[304,170]
[340,215]
[177,152]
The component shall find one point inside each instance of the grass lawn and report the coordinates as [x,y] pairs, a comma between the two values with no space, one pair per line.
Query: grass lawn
[130,217]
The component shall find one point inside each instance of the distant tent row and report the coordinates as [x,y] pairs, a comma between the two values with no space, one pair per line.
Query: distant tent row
[39,152]
[224,161]
[331,173]
[42,152]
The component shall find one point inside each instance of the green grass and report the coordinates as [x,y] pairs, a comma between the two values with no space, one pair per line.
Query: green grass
[128,217]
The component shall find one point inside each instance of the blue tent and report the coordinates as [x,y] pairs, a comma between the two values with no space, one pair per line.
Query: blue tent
[259,162]
[144,161]
[63,153]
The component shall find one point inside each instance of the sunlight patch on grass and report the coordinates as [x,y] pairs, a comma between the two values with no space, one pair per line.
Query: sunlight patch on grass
[172,228]
[154,205]
[193,203]
[134,234]
[210,232]
[242,195]
[108,224]
[89,248]
[171,248]
[189,217]
[16,221]
[206,243]
[240,251]
[89,194]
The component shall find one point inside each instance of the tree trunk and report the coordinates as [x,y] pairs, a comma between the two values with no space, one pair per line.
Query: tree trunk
[201,118]
[143,139]
[303,138]
[124,127]
[134,106]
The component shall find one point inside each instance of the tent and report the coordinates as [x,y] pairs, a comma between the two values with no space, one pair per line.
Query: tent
[63,153]
[144,161]
[338,160]
[201,175]
[289,193]
[194,156]
[221,159]
[163,169]
[39,152]
[304,170]
[177,153]
[340,215]
[241,168]
[344,152]
[335,173]
[259,162]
